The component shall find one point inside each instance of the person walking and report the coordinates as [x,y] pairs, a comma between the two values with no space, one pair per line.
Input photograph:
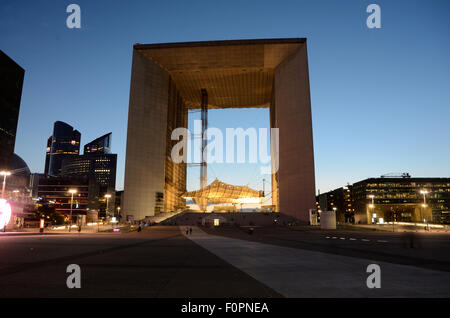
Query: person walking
[190,230]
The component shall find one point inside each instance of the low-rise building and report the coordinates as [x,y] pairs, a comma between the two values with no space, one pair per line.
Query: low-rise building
[55,191]
[338,200]
[403,199]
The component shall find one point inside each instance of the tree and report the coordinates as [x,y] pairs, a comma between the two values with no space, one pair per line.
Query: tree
[48,213]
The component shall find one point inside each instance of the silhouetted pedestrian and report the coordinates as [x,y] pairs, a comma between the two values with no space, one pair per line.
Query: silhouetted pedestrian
[411,240]
[190,230]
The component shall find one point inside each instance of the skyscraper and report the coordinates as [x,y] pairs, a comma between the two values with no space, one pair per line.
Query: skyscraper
[63,144]
[11,81]
[47,154]
[99,165]
[99,145]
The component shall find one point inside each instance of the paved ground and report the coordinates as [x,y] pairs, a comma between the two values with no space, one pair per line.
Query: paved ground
[297,272]
[273,262]
[430,250]
[158,262]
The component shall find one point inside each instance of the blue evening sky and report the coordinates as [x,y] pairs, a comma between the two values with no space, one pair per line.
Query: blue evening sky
[380,97]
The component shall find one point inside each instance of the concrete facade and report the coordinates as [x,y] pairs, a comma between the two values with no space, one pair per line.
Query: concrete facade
[295,178]
[146,137]
[167,80]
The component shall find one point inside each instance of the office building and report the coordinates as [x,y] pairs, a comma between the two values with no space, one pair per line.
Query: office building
[169,79]
[340,201]
[99,166]
[55,191]
[398,198]
[403,199]
[99,145]
[63,144]
[11,81]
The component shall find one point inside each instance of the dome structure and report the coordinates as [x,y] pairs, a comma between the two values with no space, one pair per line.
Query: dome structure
[19,167]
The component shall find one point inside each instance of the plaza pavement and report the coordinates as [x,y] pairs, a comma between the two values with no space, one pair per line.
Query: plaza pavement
[158,262]
[295,272]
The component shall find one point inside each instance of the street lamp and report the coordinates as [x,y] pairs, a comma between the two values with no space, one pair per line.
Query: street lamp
[72,192]
[107,196]
[334,210]
[4,174]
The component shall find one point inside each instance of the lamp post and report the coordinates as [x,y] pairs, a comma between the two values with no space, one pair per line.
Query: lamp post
[335,209]
[72,192]
[107,196]
[4,174]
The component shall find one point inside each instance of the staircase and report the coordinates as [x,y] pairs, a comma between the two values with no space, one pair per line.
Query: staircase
[160,217]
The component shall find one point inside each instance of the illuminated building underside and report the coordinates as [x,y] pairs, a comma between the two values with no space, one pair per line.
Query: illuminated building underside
[220,192]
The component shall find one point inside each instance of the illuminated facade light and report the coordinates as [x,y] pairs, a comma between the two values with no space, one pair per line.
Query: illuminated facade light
[5,213]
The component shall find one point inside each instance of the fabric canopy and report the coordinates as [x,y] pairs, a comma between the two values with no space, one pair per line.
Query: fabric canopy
[220,192]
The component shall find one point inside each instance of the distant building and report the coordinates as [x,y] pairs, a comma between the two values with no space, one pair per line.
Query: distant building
[99,145]
[18,192]
[118,204]
[34,183]
[101,172]
[11,81]
[63,144]
[55,191]
[99,166]
[17,183]
[47,154]
[384,199]
[400,199]
[339,200]
[96,168]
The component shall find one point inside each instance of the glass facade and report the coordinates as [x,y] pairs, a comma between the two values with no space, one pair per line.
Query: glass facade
[99,166]
[402,199]
[99,145]
[65,144]
[11,81]
[399,199]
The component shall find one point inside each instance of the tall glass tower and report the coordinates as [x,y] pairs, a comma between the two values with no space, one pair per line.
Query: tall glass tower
[65,144]
[11,81]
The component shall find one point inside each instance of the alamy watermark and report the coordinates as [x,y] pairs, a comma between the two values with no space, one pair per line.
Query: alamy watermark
[374,19]
[257,146]
[73,20]
[74,279]
[374,279]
